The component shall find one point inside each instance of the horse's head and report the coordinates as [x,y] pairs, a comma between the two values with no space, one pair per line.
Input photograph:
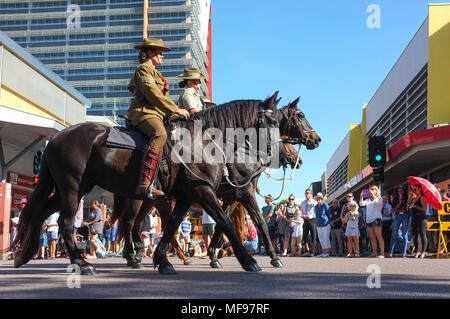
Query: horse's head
[269,118]
[295,128]
[288,156]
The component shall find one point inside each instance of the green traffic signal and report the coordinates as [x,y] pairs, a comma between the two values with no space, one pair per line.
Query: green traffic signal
[378,158]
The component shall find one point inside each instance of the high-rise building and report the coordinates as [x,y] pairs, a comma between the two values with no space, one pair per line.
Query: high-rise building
[90,43]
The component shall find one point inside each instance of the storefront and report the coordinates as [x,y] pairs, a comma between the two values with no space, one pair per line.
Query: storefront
[35,104]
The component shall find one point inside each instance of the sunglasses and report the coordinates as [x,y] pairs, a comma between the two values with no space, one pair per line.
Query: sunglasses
[291,198]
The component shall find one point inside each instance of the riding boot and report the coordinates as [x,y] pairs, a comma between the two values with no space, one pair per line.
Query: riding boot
[149,167]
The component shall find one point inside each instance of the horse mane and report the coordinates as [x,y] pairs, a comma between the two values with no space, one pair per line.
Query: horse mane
[238,113]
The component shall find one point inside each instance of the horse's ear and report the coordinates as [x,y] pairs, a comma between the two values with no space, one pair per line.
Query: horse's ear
[271,102]
[278,101]
[295,103]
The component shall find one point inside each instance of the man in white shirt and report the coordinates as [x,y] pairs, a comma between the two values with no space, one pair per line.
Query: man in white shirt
[52,233]
[208,225]
[154,221]
[78,220]
[310,226]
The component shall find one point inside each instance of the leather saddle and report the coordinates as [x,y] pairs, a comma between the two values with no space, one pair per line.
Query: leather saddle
[131,138]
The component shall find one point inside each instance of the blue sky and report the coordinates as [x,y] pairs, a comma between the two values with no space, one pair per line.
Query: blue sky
[322,51]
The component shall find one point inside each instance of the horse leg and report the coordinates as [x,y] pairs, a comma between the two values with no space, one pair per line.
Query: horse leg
[138,248]
[160,254]
[132,208]
[208,200]
[69,205]
[180,253]
[212,248]
[252,207]
[165,209]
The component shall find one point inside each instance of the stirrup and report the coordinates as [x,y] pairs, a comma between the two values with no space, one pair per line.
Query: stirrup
[150,193]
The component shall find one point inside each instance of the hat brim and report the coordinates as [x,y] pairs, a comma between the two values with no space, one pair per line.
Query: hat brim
[164,49]
[200,77]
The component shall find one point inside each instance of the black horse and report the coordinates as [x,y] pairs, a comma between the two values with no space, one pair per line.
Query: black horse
[76,160]
[247,173]
[129,220]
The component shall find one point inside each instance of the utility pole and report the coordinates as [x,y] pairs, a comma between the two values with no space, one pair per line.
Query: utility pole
[145,24]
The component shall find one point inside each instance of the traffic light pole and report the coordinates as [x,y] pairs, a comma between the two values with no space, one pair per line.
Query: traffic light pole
[5,165]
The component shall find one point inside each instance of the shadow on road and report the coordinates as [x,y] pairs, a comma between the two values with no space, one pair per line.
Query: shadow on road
[198,281]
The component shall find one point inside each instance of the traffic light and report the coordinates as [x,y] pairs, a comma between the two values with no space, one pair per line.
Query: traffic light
[377,151]
[36,180]
[378,174]
[37,161]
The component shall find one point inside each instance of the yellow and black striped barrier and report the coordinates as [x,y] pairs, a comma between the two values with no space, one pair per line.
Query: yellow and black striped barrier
[441,226]
[196,231]
[438,226]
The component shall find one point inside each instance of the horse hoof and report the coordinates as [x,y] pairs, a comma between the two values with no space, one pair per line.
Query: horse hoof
[276,263]
[187,261]
[253,268]
[167,270]
[137,266]
[215,264]
[88,271]
[18,260]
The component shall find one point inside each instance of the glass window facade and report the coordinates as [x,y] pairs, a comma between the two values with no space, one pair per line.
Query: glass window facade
[98,57]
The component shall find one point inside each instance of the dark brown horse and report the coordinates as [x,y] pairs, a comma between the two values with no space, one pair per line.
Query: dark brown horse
[291,120]
[231,195]
[76,159]
[123,207]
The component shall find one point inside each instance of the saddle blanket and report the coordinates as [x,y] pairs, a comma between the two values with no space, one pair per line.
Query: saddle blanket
[122,138]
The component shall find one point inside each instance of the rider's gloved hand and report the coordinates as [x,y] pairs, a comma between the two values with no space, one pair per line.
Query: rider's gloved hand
[183,113]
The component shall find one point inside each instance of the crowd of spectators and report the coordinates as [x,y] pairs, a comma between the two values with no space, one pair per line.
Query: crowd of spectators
[97,237]
[375,226]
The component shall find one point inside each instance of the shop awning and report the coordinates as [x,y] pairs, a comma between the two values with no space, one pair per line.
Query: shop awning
[20,128]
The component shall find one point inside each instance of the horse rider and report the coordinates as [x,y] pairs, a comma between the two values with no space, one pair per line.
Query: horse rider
[190,100]
[149,107]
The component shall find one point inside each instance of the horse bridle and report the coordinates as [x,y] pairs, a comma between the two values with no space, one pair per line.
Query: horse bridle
[293,121]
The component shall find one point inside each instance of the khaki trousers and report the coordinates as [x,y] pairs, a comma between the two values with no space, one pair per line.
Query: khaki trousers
[155,130]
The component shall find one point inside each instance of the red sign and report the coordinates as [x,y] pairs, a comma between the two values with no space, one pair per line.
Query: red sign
[20,180]
[16,196]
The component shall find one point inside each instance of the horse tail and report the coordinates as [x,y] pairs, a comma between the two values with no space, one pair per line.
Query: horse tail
[236,211]
[43,202]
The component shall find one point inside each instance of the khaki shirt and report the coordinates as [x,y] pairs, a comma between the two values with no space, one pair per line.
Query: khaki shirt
[190,99]
[148,100]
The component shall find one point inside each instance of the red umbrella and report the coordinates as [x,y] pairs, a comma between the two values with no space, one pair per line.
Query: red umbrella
[430,192]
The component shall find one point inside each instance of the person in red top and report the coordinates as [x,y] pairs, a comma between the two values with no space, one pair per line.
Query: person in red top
[252,238]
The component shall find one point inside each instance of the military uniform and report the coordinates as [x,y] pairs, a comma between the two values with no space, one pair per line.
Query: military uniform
[150,107]
[190,99]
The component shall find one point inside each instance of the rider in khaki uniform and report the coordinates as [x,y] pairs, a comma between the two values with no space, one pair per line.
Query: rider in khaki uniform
[190,100]
[149,107]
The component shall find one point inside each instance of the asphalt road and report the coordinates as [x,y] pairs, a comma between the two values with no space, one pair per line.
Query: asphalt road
[299,278]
